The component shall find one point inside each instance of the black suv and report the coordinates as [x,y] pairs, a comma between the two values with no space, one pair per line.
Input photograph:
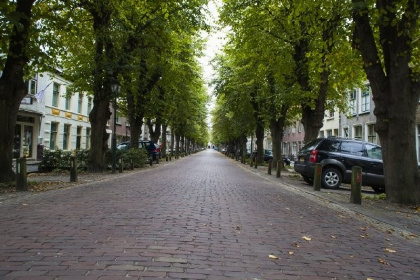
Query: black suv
[338,156]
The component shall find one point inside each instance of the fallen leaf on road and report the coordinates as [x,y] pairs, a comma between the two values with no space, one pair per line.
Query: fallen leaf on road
[362,236]
[333,237]
[390,250]
[383,261]
[24,204]
[296,244]
[291,253]
[307,238]
[369,278]
[273,257]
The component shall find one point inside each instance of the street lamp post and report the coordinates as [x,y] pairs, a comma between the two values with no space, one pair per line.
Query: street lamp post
[115,90]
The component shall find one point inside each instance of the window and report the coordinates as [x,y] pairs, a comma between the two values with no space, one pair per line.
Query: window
[56,94]
[80,103]
[66,137]
[79,138]
[68,103]
[300,127]
[89,105]
[366,99]
[329,133]
[373,151]
[353,102]
[372,138]
[32,87]
[53,135]
[353,148]
[87,137]
[321,134]
[358,132]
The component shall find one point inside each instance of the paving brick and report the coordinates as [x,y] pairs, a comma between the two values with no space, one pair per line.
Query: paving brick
[201,217]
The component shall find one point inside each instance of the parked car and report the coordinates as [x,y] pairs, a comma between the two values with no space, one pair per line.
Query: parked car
[338,156]
[153,149]
[286,160]
[268,155]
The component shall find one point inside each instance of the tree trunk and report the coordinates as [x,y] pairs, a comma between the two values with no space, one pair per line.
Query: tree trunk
[177,140]
[396,91]
[103,76]
[98,117]
[259,133]
[164,142]
[277,128]
[154,129]
[12,86]
[172,140]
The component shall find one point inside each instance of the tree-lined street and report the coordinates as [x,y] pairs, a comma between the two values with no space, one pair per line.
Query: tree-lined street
[202,217]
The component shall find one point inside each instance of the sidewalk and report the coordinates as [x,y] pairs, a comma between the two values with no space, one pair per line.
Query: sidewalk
[390,217]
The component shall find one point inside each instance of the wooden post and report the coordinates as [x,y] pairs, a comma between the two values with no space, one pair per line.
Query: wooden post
[252,160]
[167,158]
[21,176]
[356,185]
[256,163]
[73,169]
[132,164]
[121,165]
[317,176]
[279,165]
[269,167]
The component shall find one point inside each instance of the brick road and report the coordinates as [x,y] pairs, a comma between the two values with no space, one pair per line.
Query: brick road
[202,217]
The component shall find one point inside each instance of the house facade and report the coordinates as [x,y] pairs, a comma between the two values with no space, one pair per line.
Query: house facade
[359,122]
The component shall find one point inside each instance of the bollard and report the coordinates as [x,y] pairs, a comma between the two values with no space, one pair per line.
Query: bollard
[150,161]
[256,163]
[252,161]
[157,159]
[167,158]
[21,176]
[170,157]
[269,167]
[132,164]
[317,176]
[279,166]
[356,185]
[121,165]
[73,169]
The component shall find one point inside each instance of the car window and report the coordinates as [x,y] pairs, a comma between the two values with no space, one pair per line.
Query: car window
[373,151]
[354,148]
[330,146]
[311,145]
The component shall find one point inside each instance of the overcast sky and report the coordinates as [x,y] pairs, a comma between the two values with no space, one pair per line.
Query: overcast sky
[214,44]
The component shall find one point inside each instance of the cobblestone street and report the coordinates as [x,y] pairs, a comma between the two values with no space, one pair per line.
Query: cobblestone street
[201,217]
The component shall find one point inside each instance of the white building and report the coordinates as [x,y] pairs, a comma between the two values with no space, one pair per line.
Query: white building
[51,117]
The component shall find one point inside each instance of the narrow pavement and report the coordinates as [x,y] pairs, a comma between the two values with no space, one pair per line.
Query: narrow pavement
[202,217]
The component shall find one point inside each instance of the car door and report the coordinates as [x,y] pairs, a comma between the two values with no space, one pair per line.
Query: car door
[353,155]
[374,172]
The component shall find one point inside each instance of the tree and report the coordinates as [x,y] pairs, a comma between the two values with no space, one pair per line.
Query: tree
[386,34]
[27,42]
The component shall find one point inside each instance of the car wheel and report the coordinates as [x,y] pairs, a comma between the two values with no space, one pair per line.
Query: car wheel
[331,178]
[308,180]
